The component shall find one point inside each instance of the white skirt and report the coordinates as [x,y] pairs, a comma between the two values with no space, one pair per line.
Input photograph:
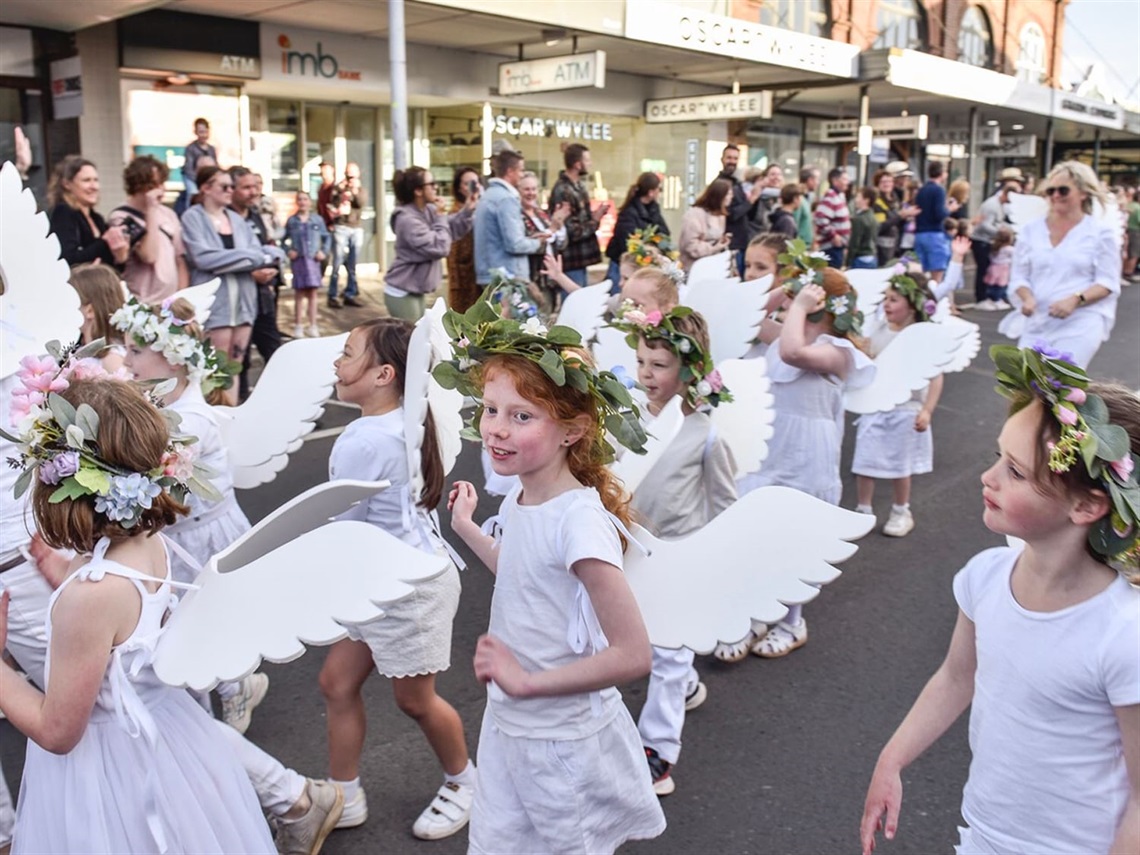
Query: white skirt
[205,536]
[414,636]
[563,796]
[888,446]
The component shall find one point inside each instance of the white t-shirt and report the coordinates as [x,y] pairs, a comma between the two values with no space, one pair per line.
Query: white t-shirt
[542,612]
[1048,772]
[372,449]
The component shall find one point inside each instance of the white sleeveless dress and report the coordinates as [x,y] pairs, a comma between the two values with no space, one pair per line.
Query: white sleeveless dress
[151,772]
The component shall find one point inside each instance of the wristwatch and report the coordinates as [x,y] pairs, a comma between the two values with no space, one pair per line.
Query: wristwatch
[1081,299]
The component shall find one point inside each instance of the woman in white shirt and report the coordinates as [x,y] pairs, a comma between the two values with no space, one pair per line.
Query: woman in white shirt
[1066,270]
[703,226]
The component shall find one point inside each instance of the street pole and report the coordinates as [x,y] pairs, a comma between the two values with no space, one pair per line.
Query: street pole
[1096,152]
[976,191]
[1048,145]
[864,121]
[397,50]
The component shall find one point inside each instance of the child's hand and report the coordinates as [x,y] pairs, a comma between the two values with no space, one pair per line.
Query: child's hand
[922,421]
[884,795]
[1028,306]
[52,565]
[959,247]
[810,298]
[462,501]
[495,661]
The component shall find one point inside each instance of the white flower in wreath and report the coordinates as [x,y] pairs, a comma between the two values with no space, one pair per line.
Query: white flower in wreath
[807,278]
[704,388]
[466,364]
[818,254]
[533,326]
[180,348]
[839,306]
[684,345]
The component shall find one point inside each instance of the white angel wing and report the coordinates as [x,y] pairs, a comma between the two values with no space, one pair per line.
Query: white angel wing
[610,351]
[745,423]
[918,353]
[711,267]
[969,342]
[1024,207]
[303,590]
[284,406]
[421,392]
[772,547]
[733,311]
[38,305]
[201,297]
[870,285]
[584,309]
[632,468]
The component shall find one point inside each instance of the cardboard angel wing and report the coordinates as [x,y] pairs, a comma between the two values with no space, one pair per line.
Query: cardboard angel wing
[1022,208]
[632,468]
[610,351]
[38,303]
[918,354]
[733,311]
[768,550]
[870,285]
[292,580]
[284,406]
[429,345]
[584,309]
[744,424]
[201,297]
[711,268]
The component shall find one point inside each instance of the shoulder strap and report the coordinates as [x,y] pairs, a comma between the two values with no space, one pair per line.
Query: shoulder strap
[135,212]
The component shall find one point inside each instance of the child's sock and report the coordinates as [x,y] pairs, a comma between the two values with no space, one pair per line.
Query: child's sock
[898,509]
[864,509]
[466,777]
[350,788]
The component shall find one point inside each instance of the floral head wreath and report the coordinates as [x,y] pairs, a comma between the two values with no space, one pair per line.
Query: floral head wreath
[702,381]
[1087,437]
[159,329]
[800,268]
[59,443]
[905,285]
[481,333]
[652,248]
[515,298]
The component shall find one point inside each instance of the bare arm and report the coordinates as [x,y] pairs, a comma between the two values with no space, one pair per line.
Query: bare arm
[462,503]
[794,347]
[926,414]
[1128,834]
[944,698]
[627,658]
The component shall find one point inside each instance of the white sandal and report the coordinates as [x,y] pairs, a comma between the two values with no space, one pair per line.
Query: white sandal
[781,640]
[737,651]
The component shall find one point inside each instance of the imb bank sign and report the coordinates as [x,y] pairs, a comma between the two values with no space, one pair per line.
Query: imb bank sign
[291,55]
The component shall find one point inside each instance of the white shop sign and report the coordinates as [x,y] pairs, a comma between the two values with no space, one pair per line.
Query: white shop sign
[705,108]
[1087,110]
[563,129]
[1013,145]
[693,29]
[890,127]
[67,88]
[987,135]
[577,71]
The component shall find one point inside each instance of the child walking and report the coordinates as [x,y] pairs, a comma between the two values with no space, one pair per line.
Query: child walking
[693,482]
[1044,649]
[141,763]
[811,363]
[561,766]
[899,443]
[997,274]
[307,243]
[412,643]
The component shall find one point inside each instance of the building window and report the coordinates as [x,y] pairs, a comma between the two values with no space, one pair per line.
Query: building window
[803,16]
[975,43]
[1031,54]
[899,23]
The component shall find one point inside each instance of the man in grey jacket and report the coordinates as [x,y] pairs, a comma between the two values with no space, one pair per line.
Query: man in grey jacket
[500,236]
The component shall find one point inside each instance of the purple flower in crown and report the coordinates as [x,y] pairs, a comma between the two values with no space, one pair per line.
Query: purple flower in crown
[169,315]
[63,465]
[930,307]
[1043,347]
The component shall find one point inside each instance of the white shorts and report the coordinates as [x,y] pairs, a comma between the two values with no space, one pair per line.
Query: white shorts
[564,795]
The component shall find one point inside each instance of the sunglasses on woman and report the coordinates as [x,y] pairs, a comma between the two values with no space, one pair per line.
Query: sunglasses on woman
[1061,191]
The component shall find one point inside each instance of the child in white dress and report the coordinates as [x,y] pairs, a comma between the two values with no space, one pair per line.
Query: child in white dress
[164,342]
[561,766]
[899,443]
[810,365]
[411,644]
[140,767]
[693,482]
[1044,649]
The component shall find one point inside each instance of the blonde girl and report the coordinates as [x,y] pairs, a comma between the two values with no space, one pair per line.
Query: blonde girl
[101,294]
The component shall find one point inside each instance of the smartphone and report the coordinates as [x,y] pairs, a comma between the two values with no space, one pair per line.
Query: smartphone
[472,187]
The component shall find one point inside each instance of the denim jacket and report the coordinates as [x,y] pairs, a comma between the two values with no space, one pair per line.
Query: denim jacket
[307,239]
[500,237]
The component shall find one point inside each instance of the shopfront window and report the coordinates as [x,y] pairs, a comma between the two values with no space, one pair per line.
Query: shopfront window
[975,41]
[776,141]
[900,23]
[284,139]
[1031,54]
[803,16]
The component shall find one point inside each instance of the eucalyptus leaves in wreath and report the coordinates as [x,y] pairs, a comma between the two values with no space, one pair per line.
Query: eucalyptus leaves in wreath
[802,267]
[482,332]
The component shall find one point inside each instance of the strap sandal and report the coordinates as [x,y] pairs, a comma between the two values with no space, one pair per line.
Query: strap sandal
[736,651]
[781,640]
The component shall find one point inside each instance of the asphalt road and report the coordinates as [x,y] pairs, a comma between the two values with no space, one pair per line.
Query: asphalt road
[778,758]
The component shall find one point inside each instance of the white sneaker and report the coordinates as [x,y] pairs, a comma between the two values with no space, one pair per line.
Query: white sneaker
[448,812]
[696,697]
[900,523]
[314,331]
[237,711]
[298,331]
[1002,306]
[355,811]
[986,306]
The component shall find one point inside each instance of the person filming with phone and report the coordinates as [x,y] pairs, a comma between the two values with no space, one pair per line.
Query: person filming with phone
[582,247]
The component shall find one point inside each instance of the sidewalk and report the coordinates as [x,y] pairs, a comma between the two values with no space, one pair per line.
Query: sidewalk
[333,321]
